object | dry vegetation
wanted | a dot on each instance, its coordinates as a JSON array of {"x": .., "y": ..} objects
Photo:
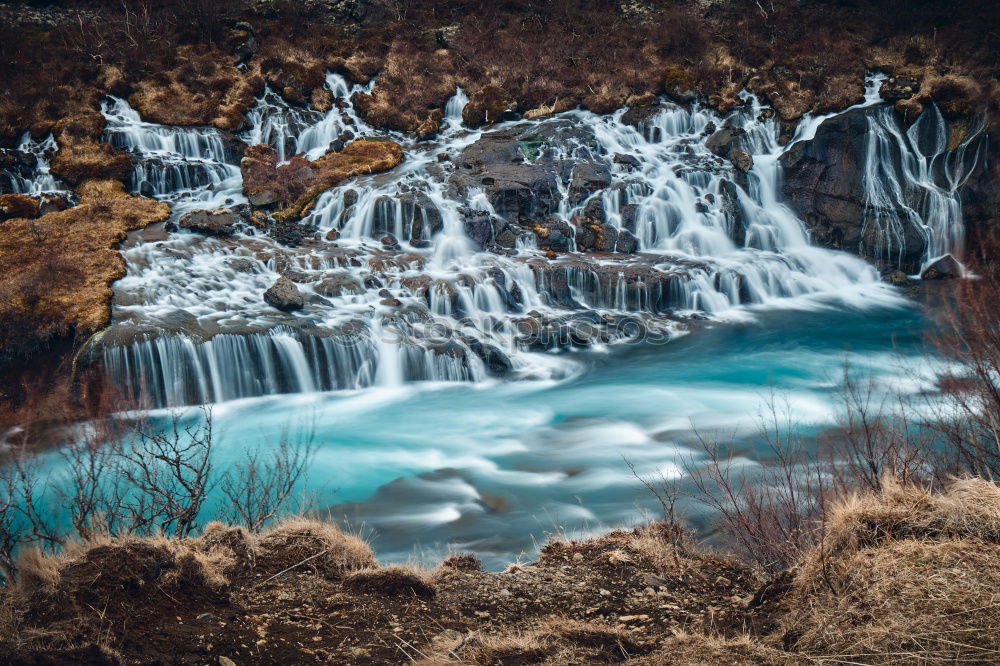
[
  {"x": 295, "y": 185},
  {"x": 56, "y": 271},
  {"x": 902, "y": 575}
]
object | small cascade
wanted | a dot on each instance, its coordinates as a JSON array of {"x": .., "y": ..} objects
[
  {"x": 912, "y": 179},
  {"x": 292, "y": 130},
  {"x": 453, "y": 110},
  {"x": 464, "y": 290},
  {"x": 33, "y": 177},
  {"x": 191, "y": 167}
]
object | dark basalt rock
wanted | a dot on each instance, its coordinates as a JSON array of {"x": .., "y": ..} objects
[
  {"x": 629, "y": 162},
  {"x": 637, "y": 115},
  {"x": 741, "y": 160},
  {"x": 284, "y": 295},
  {"x": 218, "y": 222},
  {"x": 588, "y": 177},
  {"x": 823, "y": 184},
  {"x": 725, "y": 141},
  {"x": 15, "y": 164},
  {"x": 516, "y": 170}
]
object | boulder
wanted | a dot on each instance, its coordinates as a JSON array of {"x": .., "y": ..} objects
[
  {"x": 553, "y": 234},
  {"x": 587, "y": 178},
  {"x": 629, "y": 162},
  {"x": 431, "y": 125},
  {"x": 284, "y": 295},
  {"x": 637, "y": 115},
  {"x": 945, "y": 268},
  {"x": 741, "y": 160},
  {"x": 218, "y": 222},
  {"x": 898, "y": 278},
  {"x": 723, "y": 141},
  {"x": 627, "y": 243}
]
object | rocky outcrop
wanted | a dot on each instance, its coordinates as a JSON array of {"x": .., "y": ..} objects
[
  {"x": 947, "y": 267},
  {"x": 517, "y": 189},
  {"x": 291, "y": 188},
  {"x": 823, "y": 183},
  {"x": 413, "y": 214},
  {"x": 489, "y": 105}
]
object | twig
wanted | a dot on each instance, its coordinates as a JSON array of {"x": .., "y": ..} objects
[{"x": 311, "y": 557}]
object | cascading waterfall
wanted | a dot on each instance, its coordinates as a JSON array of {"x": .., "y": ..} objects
[
  {"x": 41, "y": 181},
  {"x": 435, "y": 304},
  {"x": 190, "y": 167},
  {"x": 912, "y": 180}
]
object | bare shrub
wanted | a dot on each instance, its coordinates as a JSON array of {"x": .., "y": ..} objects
[
  {"x": 969, "y": 422},
  {"x": 258, "y": 486},
  {"x": 130, "y": 476},
  {"x": 769, "y": 510}
]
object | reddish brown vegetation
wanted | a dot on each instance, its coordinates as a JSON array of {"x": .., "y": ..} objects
[
  {"x": 18, "y": 205},
  {"x": 81, "y": 155},
  {"x": 294, "y": 186}
]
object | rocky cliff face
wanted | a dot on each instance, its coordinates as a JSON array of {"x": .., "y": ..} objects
[{"x": 872, "y": 184}]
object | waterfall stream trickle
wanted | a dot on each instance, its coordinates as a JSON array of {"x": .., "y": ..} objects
[{"x": 463, "y": 290}]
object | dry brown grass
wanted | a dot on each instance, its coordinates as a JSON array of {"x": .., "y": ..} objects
[
  {"x": 415, "y": 79},
  {"x": 903, "y": 576},
  {"x": 694, "y": 649},
  {"x": 56, "y": 271},
  {"x": 204, "y": 88},
  {"x": 551, "y": 641},
  {"x": 393, "y": 580},
  {"x": 81, "y": 154},
  {"x": 18, "y": 205},
  {"x": 294, "y": 540}
]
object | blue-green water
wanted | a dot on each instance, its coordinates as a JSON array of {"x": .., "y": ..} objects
[{"x": 493, "y": 468}]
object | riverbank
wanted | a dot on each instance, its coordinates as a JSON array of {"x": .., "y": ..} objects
[{"x": 901, "y": 574}]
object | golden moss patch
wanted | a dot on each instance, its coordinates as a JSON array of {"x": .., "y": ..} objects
[{"x": 56, "y": 271}]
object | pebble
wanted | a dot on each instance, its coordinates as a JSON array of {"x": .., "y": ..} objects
[
  {"x": 604, "y": 593},
  {"x": 226, "y": 661}
]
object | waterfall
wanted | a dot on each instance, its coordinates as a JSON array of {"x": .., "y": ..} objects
[
  {"x": 41, "y": 181},
  {"x": 448, "y": 299},
  {"x": 912, "y": 180},
  {"x": 190, "y": 167}
]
